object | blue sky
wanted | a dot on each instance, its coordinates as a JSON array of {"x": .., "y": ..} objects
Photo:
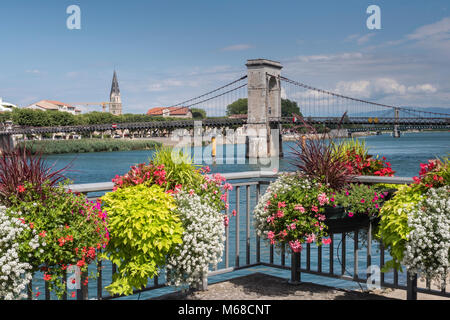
[{"x": 168, "y": 51}]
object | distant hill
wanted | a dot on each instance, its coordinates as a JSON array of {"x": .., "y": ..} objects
[{"x": 404, "y": 114}]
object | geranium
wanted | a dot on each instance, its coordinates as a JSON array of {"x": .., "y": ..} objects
[
  {"x": 290, "y": 212},
  {"x": 434, "y": 174},
  {"x": 64, "y": 222},
  {"x": 359, "y": 199}
]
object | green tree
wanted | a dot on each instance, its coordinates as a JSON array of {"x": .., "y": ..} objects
[
  {"x": 60, "y": 118},
  {"x": 237, "y": 107},
  {"x": 240, "y": 106},
  {"x": 31, "y": 117},
  {"x": 289, "y": 107},
  {"x": 198, "y": 113}
]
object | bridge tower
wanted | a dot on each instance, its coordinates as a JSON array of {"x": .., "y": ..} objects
[
  {"x": 264, "y": 104},
  {"x": 396, "y": 132}
]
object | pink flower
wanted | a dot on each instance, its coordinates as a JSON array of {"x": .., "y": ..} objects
[
  {"x": 296, "y": 246},
  {"x": 206, "y": 169},
  {"x": 191, "y": 192},
  {"x": 270, "y": 235},
  {"x": 233, "y": 213},
  {"x": 323, "y": 199},
  {"x": 362, "y": 200},
  {"x": 281, "y": 204},
  {"x": 350, "y": 214},
  {"x": 227, "y": 186},
  {"x": 223, "y": 197},
  {"x": 311, "y": 238},
  {"x": 280, "y": 214},
  {"x": 321, "y": 217},
  {"x": 226, "y": 221},
  {"x": 291, "y": 226},
  {"x": 326, "y": 241},
  {"x": 376, "y": 205},
  {"x": 314, "y": 208},
  {"x": 300, "y": 208}
]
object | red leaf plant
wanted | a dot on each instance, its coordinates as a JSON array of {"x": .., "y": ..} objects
[
  {"x": 316, "y": 157},
  {"x": 19, "y": 165}
]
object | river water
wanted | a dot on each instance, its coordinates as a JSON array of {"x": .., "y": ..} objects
[{"x": 405, "y": 155}]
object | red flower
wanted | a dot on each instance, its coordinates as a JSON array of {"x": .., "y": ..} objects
[
  {"x": 21, "y": 188},
  {"x": 47, "y": 277}
]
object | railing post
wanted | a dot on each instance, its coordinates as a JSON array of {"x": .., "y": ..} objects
[
  {"x": 83, "y": 293},
  {"x": 295, "y": 268},
  {"x": 411, "y": 286}
]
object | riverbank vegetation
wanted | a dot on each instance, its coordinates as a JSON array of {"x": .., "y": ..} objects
[
  {"x": 39, "y": 118},
  {"x": 87, "y": 145}
]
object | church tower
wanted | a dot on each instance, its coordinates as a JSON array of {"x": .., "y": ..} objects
[{"x": 115, "y": 106}]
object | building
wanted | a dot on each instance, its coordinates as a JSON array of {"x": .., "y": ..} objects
[
  {"x": 6, "y": 106},
  {"x": 115, "y": 107},
  {"x": 46, "y": 105},
  {"x": 175, "y": 112}
]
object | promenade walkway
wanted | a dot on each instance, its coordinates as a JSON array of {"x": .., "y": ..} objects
[{"x": 259, "y": 286}]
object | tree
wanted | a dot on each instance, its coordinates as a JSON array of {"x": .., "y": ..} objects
[
  {"x": 289, "y": 107},
  {"x": 237, "y": 107},
  {"x": 198, "y": 113},
  {"x": 240, "y": 106}
]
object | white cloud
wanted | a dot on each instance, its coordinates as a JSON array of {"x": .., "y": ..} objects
[
  {"x": 237, "y": 47},
  {"x": 439, "y": 30},
  {"x": 33, "y": 71},
  {"x": 381, "y": 88}
]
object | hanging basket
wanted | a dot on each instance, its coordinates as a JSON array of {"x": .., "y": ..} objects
[{"x": 338, "y": 220}]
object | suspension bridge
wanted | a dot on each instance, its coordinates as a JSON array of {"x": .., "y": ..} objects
[{"x": 264, "y": 88}]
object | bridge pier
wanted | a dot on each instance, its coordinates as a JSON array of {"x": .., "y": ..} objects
[{"x": 264, "y": 104}]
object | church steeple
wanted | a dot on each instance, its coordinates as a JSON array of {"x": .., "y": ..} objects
[
  {"x": 116, "y": 106},
  {"x": 115, "y": 85}
]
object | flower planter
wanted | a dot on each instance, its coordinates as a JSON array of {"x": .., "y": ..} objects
[{"x": 338, "y": 221}]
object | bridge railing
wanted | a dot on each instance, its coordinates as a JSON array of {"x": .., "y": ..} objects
[{"x": 244, "y": 249}]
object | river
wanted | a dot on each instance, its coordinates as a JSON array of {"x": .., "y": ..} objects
[{"x": 405, "y": 154}]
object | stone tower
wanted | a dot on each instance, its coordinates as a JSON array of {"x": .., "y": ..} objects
[
  {"x": 115, "y": 106},
  {"x": 264, "y": 105}
]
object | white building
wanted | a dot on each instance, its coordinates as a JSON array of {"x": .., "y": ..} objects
[
  {"x": 6, "y": 106},
  {"x": 46, "y": 105}
]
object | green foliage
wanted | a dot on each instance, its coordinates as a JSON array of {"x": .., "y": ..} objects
[
  {"x": 144, "y": 229},
  {"x": 359, "y": 199},
  {"x": 179, "y": 168},
  {"x": 87, "y": 145},
  {"x": 393, "y": 227},
  {"x": 240, "y": 106},
  {"x": 351, "y": 145},
  {"x": 289, "y": 107},
  {"x": 198, "y": 113},
  {"x": 65, "y": 228}
]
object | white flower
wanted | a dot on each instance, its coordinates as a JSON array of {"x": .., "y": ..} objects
[
  {"x": 428, "y": 246},
  {"x": 14, "y": 274},
  {"x": 203, "y": 240}
]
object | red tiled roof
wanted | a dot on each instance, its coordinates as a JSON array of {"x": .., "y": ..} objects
[
  {"x": 172, "y": 111},
  {"x": 58, "y": 103}
]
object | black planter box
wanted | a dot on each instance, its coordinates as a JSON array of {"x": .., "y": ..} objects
[{"x": 338, "y": 220}]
